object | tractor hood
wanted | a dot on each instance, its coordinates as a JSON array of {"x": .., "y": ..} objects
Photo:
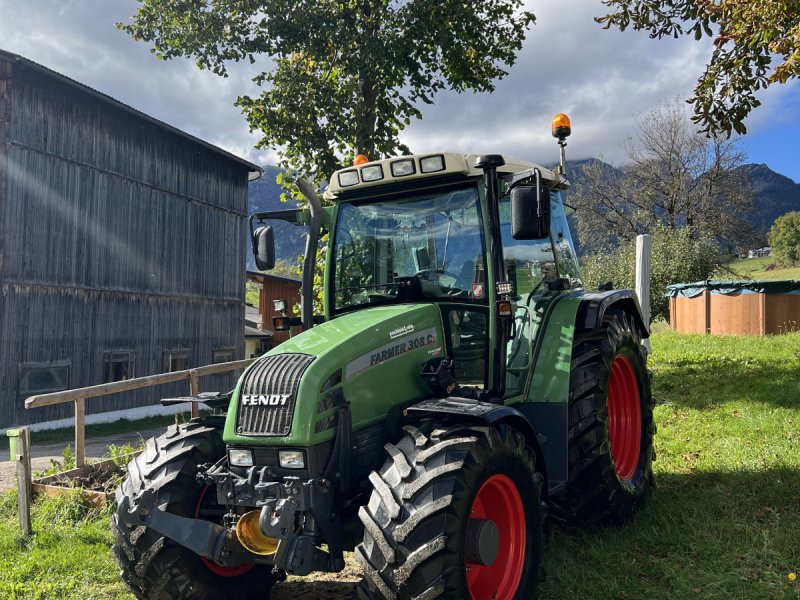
[{"x": 370, "y": 358}]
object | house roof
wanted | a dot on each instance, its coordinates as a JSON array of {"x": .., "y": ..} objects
[
  {"x": 255, "y": 170},
  {"x": 252, "y": 332},
  {"x": 260, "y": 275}
]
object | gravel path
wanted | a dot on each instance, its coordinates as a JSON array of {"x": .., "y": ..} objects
[{"x": 43, "y": 453}]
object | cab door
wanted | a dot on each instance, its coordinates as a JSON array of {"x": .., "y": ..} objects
[{"x": 530, "y": 265}]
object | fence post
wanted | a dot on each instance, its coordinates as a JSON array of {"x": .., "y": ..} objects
[
  {"x": 194, "y": 389},
  {"x": 644, "y": 245},
  {"x": 23, "y": 460},
  {"x": 80, "y": 431}
]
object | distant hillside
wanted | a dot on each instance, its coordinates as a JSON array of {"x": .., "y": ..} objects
[
  {"x": 775, "y": 194},
  {"x": 265, "y": 195}
]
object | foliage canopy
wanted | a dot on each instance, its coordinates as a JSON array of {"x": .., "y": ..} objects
[
  {"x": 747, "y": 37},
  {"x": 784, "y": 238},
  {"x": 340, "y": 77},
  {"x": 678, "y": 257}
]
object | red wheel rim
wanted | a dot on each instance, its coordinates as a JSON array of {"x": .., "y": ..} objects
[
  {"x": 499, "y": 500},
  {"x": 624, "y": 417},
  {"x": 210, "y": 564}
]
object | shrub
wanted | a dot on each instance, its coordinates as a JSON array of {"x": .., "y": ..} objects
[
  {"x": 784, "y": 238},
  {"x": 677, "y": 257}
]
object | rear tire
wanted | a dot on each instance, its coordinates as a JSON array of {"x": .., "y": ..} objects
[
  {"x": 431, "y": 487},
  {"x": 611, "y": 425},
  {"x": 152, "y": 566}
]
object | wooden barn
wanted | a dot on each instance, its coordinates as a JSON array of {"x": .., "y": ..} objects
[{"x": 121, "y": 245}]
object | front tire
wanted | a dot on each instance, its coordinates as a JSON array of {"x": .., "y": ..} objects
[
  {"x": 453, "y": 514},
  {"x": 611, "y": 425},
  {"x": 152, "y": 566}
]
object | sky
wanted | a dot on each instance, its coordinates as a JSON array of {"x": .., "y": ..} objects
[{"x": 602, "y": 79}]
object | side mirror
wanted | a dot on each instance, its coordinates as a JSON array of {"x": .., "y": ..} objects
[
  {"x": 264, "y": 248},
  {"x": 530, "y": 213}
]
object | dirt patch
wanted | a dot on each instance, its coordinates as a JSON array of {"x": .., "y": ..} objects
[{"x": 322, "y": 586}]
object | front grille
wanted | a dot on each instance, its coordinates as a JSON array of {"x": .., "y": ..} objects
[{"x": 270, "y": 390}]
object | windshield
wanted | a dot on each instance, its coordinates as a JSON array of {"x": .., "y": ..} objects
[{"x": 410, "y": 249}]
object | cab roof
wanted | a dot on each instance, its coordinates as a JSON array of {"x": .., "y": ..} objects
[{"x": 402, "y": 169}]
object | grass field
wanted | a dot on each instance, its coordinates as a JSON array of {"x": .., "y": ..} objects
[
  {"x": 722, "y": 524},
  {"x": 757, "y": 268}
]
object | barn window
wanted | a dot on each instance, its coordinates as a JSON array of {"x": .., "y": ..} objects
[
  {"x": 222, "y": 355},
  {"x": 177, "y": 360},
  {"x": 43, "y": 378},
  {"x": 118, "y": 366}
]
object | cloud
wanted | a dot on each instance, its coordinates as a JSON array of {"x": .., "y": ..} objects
[{"x": 568, "y": 64}]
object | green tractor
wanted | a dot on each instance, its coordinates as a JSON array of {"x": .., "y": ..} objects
[{"x": 462, "y": 388}]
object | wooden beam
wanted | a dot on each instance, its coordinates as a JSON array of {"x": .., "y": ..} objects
[
  {"x": 23, "y": 460},
  {"x": 80, "y": 431}
]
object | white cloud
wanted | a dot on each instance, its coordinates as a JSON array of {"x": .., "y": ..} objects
[{"x": 568, "y": 64}]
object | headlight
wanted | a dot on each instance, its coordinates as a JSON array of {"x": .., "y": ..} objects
[
  {"x": 401, "y": 168},
  {"x": 348, "y": 178},
  {"x": 291, "y": 459},
  {"x": 372, "y": 173},
  {"x": 431, "y": 164},
  {"x": 239, "y": 457}
]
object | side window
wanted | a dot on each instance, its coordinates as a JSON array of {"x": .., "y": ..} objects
[
  {"x": 222, "y": 355},
  {"x": 176, "y": 360},
  {"x": 467, "y": 331},
  {"x": 566, "y": 257},
  {"x": 118, "y": 366},
  {"x": 530, "y": 264},
  {"x": 43, "y": 378}
]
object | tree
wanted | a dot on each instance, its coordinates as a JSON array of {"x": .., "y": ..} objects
[
  {"x": 678, "y": 257},
  {"x": 675, "y": 178},
  {"x": 747, "y": 35},
  {"x": 784, "y": 239},
  {"x": 345, "y": 76}
]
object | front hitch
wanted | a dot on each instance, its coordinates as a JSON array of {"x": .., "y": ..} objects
[{"x": 209, "y": 540}]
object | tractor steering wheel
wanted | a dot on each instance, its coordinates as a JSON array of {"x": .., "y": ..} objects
[{"x": 433, "y": 275}]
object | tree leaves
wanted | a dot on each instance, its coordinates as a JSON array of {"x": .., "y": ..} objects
[
  {"x": 344, "y": 76},
  {"x": 747, "y": 35}
]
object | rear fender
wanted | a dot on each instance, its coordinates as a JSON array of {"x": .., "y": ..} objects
[{"x": 594, "y": 305}]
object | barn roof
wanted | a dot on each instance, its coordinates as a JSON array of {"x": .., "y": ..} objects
[{"x": 254, "y": 170}]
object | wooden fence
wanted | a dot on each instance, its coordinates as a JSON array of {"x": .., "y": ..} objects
[{"x": 80, "y": 395}]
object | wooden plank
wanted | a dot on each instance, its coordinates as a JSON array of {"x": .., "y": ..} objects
[
  {"x": 673, "y": 314},
  {"x": 23, "y": 460},
  {"x": 194, "y": 389},
  {"x": 80, "y": 431}
]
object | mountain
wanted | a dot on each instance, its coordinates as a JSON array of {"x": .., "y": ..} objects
[
  {"x": 265, "y": 194},
  {"x": 775, "y": 195}
]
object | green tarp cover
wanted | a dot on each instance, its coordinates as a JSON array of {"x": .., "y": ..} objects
[{"x": 692, "y": 290}]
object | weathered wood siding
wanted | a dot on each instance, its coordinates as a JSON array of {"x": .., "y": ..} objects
[
  {"x": 116, "y": 235},
  {"x": 277, "y": 288}
]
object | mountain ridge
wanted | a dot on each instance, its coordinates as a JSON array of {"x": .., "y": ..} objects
[{"x": 774, "y": 195}]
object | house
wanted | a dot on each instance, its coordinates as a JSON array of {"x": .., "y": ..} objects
[
  {"x": 257, "y": 340},
  {"x": 759, "y": 252},
  {"x": 274, "y": 287},
  {"x": 120, "y": 246}
]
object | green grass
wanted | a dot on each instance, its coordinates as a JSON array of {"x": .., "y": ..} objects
[
  {"x": 723, "y": 522},
  {"x": 69, "y": 556},
  {"x": 67, "y": 434},
  {"x": 757, "y": 268}
]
